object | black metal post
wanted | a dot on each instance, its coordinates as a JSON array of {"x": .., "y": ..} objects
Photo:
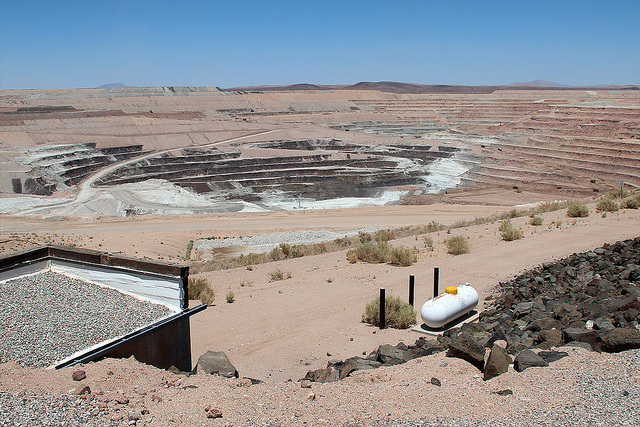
[
  {"x": 412, "y": 279},
  {"x": 436, "y": 280},
  {"x": 382, "y": 309}
]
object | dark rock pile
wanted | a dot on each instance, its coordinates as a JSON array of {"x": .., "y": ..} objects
[{"x": 591, "y": 300}]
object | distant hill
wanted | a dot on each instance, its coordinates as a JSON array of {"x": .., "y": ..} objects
[
  {"x": 540, "y": 83},
  {"x": 111, "y": 86},
  {"x": 398, "y": 87}
]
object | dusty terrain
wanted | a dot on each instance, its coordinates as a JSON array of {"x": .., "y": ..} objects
[{"x": 522, "y": 147}]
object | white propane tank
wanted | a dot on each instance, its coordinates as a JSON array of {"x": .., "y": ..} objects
[{"x": 450, "y": 305}]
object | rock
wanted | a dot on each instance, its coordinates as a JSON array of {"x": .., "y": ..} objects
[
  {"x": 466, "y": 348},
  {"x": 581, "y": 335},
  {"x": 311, "y": 396},
  {"x": 357, "y": 364},
  {"x": 79, "y": 375},
  {"x": 174, "y": 370},
  {"x": 116, "y": 417},
  {"x": 121, "y": 399},
  {"x": 505, "y": 392},
  {"x": 133, "y": 416},
  {"x": 620, "y": 340},
  {"x": 522, "y": 309},
  {"x": 528, "y": 359},
  {"x": 501, "y": 343},
  {"x": 497, "y": 363},
  {"x": 155, "y": 398},
  {"x": 82, "y": 389},
  {"x": 436, "y": 381},
  {"x": 323, "y": 375},
  {"x": 584, "y": 345},
  {"x": 216, "y": 362},
  {"x": 392, "y": 355},
  {"x": 552, "y": 356},
  {"x": 212, "y": 411},
  {"x": 551, "y": 336},
  {"x": 305, "y": 384}
]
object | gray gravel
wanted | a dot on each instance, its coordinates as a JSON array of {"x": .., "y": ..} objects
[
  {"x": 610, "y": 397},
  {"x": 48, "y": 316},
  {"x": 31, "y": 409},
  {"x": 293, "y": 238}
]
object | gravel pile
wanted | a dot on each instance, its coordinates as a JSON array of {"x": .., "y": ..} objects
[
  {"x": 32, "y": 409},
  {"x": 48, "y": 316},
  {"x": 609, "y": 398},
  {"x": 293, "y": 238}
]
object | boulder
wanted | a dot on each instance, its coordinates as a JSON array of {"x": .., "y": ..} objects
[
  {"x": 581, "y": 335},
  {"x": 620, "y": 340},
  {"x": 528, "y": 359},
  {"x": 497, "y": 363},
  {"x": 326, "y": 375},
  {"x": 466, "y": 348},
  {"x": 216, "y": 362},
  {"x": 390, "y": 355},
  {"x": 552, "y": 356},
  {"x": 357, "y": 364}
]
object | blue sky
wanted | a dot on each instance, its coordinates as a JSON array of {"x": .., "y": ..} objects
[{"x": 68, "y": 44}]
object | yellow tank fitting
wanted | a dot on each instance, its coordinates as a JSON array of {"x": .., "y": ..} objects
[{"x": 451, "y": 290}]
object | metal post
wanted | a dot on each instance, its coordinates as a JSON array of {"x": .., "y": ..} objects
[
  {"x": 436, "y": 280},
  {"x": 412, "y": 279},
  {"x": 382, "y": 309}
]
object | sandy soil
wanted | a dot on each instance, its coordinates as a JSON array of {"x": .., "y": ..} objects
[{"x": 277, "y": 331}]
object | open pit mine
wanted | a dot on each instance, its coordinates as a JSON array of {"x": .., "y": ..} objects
[{"x": 164, "y": 150}]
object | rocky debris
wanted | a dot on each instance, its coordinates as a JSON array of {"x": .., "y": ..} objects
[
  {"x": 505, "y": 392},
  {"x": 621, "y": 339},
  {"x": 82, "y": 389},
  {"x": 79, "y": 375},
  {"x": 436, "y": 381},
  {"x": 305, "y": 384},
  {"x": 497, "y": 363},
  {"x": 212, "y": 411},
  {"x": 528, "y": 359},
  {"x": 589, "y": 300},
  {"x": 216, "y": 362}
]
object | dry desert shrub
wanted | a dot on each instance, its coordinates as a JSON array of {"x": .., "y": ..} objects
[
  {"x": 398, "y": 314},
  {"x": 402, "y": 257},
  {"x": 381, "y": 252},
  {"x": 457, "y": 245},
  {"x": 631, "y": 204},
  {"x": 278, "y": 274},
  {"x": 230, "y": 297},
  {"x": 508, "y": 232},
  {"x": 577, "y": 210},
  {"x": 199, "y": 289},
  {"x": 535, "y": 220},
  {"x": 606, "y": 205}
]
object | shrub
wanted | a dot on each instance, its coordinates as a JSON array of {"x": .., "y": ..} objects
[
  {"x": 231, "y": 297},
  {"x": 402, "y": 257},
  {"x": 577, "y": 210},
  {"x": 434, "y": 226},
  {"x": 508, "y": 232},
  {"x": 428, "y": 242},
  {"x": 606, "y": 205},
  {"x": 375, "y": 253},
  {"x": 615, "y": 194},
  {"x": 457, "y": 245},
  {"x": 398, "y": 314},
  {"x": 631, "y": 204},
  {"x": 187, "y": 255},
  {"x": 199, "y": 289},
  {"x": 279, "y": 275},
  {"x": 536, "y": 220},
  {"x": 384, "y": 235}
]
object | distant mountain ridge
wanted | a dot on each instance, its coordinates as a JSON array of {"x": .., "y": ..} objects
[
  {"x": 541, "y": 83},
  {"x": 398, "y": 87},
  {"x": 111, "y": 86}
]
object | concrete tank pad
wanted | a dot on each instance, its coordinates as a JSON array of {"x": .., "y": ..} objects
[{"x": 467, "y": 318}]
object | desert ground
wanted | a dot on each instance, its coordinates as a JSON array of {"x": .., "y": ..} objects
[{"x": 505, "y": 150}]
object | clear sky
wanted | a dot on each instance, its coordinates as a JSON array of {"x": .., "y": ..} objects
[{"x": 88, "y": 43}]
